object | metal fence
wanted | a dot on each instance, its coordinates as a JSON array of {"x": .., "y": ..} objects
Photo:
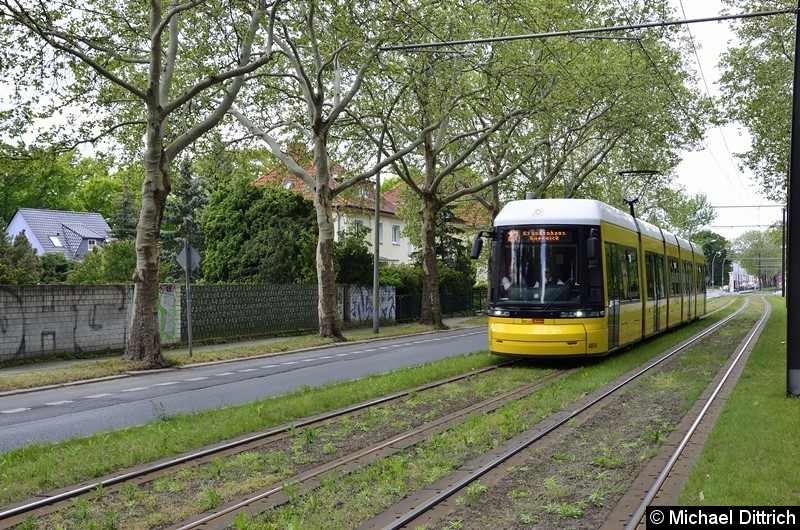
[
  {"x": 409, "y": 306},
  {"x": 225, "y": 311},
  {"x": 232, "y": 311}
]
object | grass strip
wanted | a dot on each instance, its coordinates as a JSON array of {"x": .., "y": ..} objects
[
  {"x": 350, "y": 500},
  {"x": 40, "y": 468},
  {"x": 41, "y": 375},
  {"x": 747, "y": 459}
]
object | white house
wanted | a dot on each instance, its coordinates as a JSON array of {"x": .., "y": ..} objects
[
  {"x": 393, "y": 247},
  {"x": 70, "y": 233},
  {"x": 358, "y": 208}
]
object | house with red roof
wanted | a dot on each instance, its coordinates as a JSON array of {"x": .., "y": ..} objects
[{"x": 356, "y": 207}]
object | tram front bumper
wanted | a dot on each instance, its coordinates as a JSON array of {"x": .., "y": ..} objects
[{"x": 545, "y": 339}]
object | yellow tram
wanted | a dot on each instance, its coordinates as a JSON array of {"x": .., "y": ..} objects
[{"x": 579, "y": 278}]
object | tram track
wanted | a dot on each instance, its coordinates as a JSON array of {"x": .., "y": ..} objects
[
  {"x": 434, "y": 504},
  {"x": 265, "y": 498},
  {"x": 679, "y": 454},
  {"x": 66, "y": 497}
]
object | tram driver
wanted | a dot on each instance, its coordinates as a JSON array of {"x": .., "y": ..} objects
[{"x": 549, "y": 278}]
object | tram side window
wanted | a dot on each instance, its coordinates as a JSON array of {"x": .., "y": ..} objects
[
  {"x": 674, "y": 277},
  {"x": 700, "y": 279},
  {"x": 623, "y": 274},
  {"x": 687, "y": 277},
  {"x": 613, "y": 274},
  {"x": 661, "y": 277},
  {"x": 655, "y": 276},
  {"x": 633, "y": 274}
]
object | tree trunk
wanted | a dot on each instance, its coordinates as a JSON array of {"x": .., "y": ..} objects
[
  {"x": 431, "y": 305},
  {"x": 330, "y": 325},
  {"x": 144, "y": 339}
]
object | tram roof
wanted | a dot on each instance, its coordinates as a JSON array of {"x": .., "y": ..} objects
[{"x": 579, "y": 212}]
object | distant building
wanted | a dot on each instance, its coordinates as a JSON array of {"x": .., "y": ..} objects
[
  {"x": 70, "y": 233},
  {"x": 357, "y": 208}
]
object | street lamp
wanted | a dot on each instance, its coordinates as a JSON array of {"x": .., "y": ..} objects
[
  {"x": 722, "y": 275},
  {"x": 712, "y": 266}
]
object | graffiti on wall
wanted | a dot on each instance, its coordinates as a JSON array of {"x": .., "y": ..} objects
[
  {"x": 37, "y": 321},
  {"x": 361, "y": 303},
  {"x": 169, "y": 319}
]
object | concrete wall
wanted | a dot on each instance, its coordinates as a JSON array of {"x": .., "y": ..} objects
[
  {"x": 48, "y": 320},
  {"x": 38, "y": 321},
  {"x": 360, "y": 305}
]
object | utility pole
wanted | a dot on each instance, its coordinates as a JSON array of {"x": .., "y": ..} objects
[{"x": 792, "y": 298}]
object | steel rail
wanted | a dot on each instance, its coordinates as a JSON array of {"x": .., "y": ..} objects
[
  {"x": 494, "y": 402},
  {"x": 637, "y": 516},
  {"x": 77, "y": 491},
  {"x": 424, "y": 506}
]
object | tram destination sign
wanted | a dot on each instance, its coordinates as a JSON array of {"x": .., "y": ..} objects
[{"x": 539, "y": 236}]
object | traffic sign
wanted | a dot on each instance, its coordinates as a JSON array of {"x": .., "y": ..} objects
[{"x": 194, "y": 258}]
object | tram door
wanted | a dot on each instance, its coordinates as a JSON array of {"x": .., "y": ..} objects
[
  {"x": 614, "y": 286},
  {"x": 688, "y": 282},
  {"x": 655, "y": 286}
]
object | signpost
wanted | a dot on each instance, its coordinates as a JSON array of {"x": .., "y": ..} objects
[{"x": 188, "y": 259}]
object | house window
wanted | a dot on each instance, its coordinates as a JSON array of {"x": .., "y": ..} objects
[
  {"x": 396, "y": 234},
  {"x": 56, "y": 242},
  {"x": 359, "y": 226},
  {"x": 380, "y": 232},
  {"x": 91, "y": 243}
]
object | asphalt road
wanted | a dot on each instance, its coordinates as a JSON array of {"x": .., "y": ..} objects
[{"x": 56, "y": 414}]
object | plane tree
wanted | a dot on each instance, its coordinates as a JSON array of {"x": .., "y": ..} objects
[
  {"x": 756, "y": 85},
  {"x": 153, "y": 76},
  {"x": 464, "y": 96},
  {"x": 324, "y": 51},
  {"x": 629, "y": 103},
  {"x": 526, "y": 115},
  {"x": 759, "y": 252}
]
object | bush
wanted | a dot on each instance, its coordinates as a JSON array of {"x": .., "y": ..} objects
[
  {"x": 404, "y": 278},
  {"x": 55, "y": 268},
  {"x": 454, "y": 281},
  {"x": 113, "y": 263},
  {"x": 352, "y": 259}
]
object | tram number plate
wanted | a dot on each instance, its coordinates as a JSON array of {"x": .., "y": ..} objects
[{"x": 533, "y": 321}]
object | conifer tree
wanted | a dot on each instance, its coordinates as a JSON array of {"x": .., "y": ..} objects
[{"x": 182, "y": 220}]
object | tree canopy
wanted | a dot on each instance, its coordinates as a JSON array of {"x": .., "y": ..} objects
[
  {"x": 556, "y": 116},
  {"x": 756, "y": 86},
  {"x": 258, "y": 234}
]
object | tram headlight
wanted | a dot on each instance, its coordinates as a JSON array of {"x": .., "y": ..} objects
[
  {"x": 582, "y": 313},
  {"x": 500, "y": 313}
]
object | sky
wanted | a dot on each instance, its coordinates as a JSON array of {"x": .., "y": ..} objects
[{"x": 714, "y": 170}]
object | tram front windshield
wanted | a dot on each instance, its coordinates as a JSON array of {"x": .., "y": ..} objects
[{"x": 538, "y": 266}]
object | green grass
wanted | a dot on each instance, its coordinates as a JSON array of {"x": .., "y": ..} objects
[
  {"x": 40, "y": 374},
  {"x": 750, "y": 455},
  {"x": 38, "y": 468}
]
